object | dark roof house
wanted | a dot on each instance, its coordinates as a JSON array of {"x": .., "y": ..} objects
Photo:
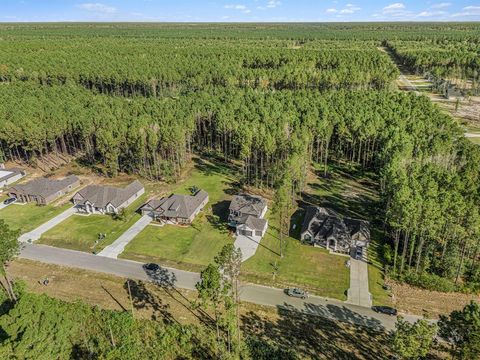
[
  {"x": 43, "y": 190},
  {"x": 107, "y": 199},
  {"x": 176, "y": 208},
  {"x": 326, "y": 228},
  {"x": 246, "y": 215}
]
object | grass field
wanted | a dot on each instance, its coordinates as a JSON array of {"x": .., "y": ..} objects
[
  {"x": 29, "y": 216},
  {"x": 81, "y": 232},
  {"x": 352, "y": 193},
  {"x": 311, "y": 268},
  {"x": 193, "y": 247}
]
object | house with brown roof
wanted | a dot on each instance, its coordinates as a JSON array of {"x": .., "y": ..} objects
[
  {"x": 97, "y": 199},
  {"x": 176, "y": 209},
  {"x": 43, "y": 191},
  {"x": 246, "y": 215},
  {"x": 326, "y": 228}
]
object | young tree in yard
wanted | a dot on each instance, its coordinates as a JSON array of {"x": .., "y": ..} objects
[
  {"x": 462, "y": 329},
  {"x": 413, "y": 341},
  {"x": 9, "y": 248},
  {"x": 282, "y": 207}
]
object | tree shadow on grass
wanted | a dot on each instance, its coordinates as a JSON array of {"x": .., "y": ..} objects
[
  {"x": 313, "y": 335},
  {"x": 142, "y": 298}
]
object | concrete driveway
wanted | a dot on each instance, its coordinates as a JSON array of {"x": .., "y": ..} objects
[
  {"x": 3, "y": 206},
  {"x": 37, "y": 233},
  {"x": 115, "y": 249},
  {"x": 358, "y": 294},
  {"x": 248, "y": 245}
]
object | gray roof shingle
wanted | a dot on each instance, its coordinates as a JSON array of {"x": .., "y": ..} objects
[
  {"x": 100, "y": 196},
  {"x": 44, "y": 187},
  {"x": 178, "y": 206}
]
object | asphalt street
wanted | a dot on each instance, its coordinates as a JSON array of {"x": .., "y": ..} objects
[{"x": 262, "y": 295}]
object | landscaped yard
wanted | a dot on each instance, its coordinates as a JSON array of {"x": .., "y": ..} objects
[
  {"x": 80, "y": 232},
  {"x": 311, "y": 268},
  {"x": 193, "y": 247},
  {"x": 352, "y": 193},
  {"x": 29, "y": 216}
]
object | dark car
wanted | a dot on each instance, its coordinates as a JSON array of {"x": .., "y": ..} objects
[
  {"x": 9, "y": 201},
  {"x": 385, "y": 310},
  {"x": 298, "y": 293},
  {"x": 151, "y": 267},
  {"x": 359, "y": 253}
]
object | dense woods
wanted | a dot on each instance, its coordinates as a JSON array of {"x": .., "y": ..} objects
[
  {"x": 446, "y": 58},
  {"x": 142, "y": 99}
]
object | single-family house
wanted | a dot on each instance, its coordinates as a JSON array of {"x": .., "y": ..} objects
[
  {"x": 98, "y": 199},
  {"x": 326, "y": 228},
  {"x": 246, "y": 215},
  {"x": 43, "y": 191},
  {"x": 176, "y": 209},
  {"x": 9, "y": 176}
]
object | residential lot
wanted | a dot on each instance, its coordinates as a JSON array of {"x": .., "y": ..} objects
[
  {"x": 81, "y": 232},
  {"x": 190, "y": 247},
  {"x": 29, "y": 216}
]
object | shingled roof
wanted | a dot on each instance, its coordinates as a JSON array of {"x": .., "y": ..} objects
[
  {"x": 248, "y": 204},
  {"x": 6, "y": 174},
  {"x": 177, "y": 206},
  {"x": 100, "y": 196},
  {"x": 44, "y": 187}
]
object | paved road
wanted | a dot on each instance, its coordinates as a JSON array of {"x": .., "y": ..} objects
[
  {"x": 358, "y": 293},
  {"x": 472, "y": 135},
  {"x": 37, "y": 233},
  {"x": 332, "y": 309},
  {"x": 118, "y": 246},
  {"x": 248, "y": 245}
]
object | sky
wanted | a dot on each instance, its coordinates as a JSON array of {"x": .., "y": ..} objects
[{"x": 238, "y": 11}]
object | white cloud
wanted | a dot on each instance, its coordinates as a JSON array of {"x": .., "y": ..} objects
[
  {"x": 98, "y": 8},
  {"x": 273, "y": 4},
  {"x": 331, "y": 11},
  {"x": 394, "y": 7},
  {"x": 442, "y": 5},
  {"x": 468, "y": 11},
  {"x": 431, "y": 13},
  {"x": 349, "y": 9},
  {"x": 243, "y": 8}
]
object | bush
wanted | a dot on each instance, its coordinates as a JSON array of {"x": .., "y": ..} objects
[{"x": 430, "y": 282}]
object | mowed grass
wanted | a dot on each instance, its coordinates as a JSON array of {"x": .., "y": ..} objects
[
  {"x": 311, "y": 268},
  {"x": 29, "y": 216},
  {"x": 81, "y": 232},
  {"x": 353, "y": 193},
  {"x": 190, "y": 247}
]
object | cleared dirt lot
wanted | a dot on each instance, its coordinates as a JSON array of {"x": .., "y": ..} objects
[{"x": 407, "y": 298}]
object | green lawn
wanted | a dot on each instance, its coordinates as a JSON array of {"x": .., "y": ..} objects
[
  {"x": 193, "y": 247},
  {"x": 190, "y": 248},
  {"x": 29, "y": 216},
  {"x": 81, "y": 232},
  {"x": 302, "y": 265},
  {"x": 353, "y": 193}
]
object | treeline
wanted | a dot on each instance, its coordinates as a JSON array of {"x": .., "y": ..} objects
[
  {"x": 447, "y": 58},
  {"x": 155, "y": 68},
  {"x": 40, "y": 327},
  {"x": 288, "y": 31},
  {"x": 429, "y": 173}
]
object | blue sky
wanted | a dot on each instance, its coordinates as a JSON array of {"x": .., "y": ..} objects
[{"x": 247, "y": 10}]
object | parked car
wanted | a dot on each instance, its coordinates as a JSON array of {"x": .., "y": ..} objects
[
  {"x": 385, "y": 310},
  {"x": 151, "y": 267},
  {"x": 359, "y": 253},
  {"x": 10, "y": 200},
  {"x": 298, "y": 293}
]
